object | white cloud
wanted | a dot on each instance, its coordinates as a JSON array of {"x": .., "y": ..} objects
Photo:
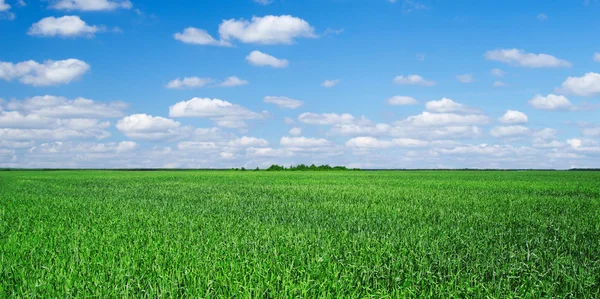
[
  {"x": 289, "y": 121},
  {"x": 413, "y": 80},
  {"x": 295, "y": 131},
  {"x": 44, "y": 74},
  {"x": 16, "y": 144},
  {"x": 4, "y": 6},
  {"x": 54, "y": 106},
  {"x": 432, "y": 132},
  {"x": 224, "y": 113},
  {"x": 410, "y": 143},
  {"x": 444, "y": 119},
  {"x": 446, "y": 105},
  {"x": 283, "y": 102},
  {"x": 551, "y": 102},
  {"x": 360, "y": 129},
  {"x": 591, "y": 132},
  {"x": 4, "y": 11},
  {"x": 67, "y": 26},
  {"x": 369, "y": 143},
  {"x": 196, "y": 146},
  {"x": 465, "y": 78},
  {"x": 521, "y": 58},
  {"x": 147, "y": 127},
  {"x": 596, "y": 57},
  {"x": 330, "y": 83},
  {"x": 61, "y": 133},
  {"x": 327, "y": 118},
  {"x": 514, "y": 117},
  {"x": 197, "y": 36},
  {"x": 189, "y": 82},
  {"x": 499, "y": 84},
  {"x": 498, "y": 72},
  {"x": 263, "y": 2},
  {"x": 84, "y": 147},
  {"x": 258, "y": 58},
  {"x": 91, "y": 5},
  {"x": 402, "y": 100},
  {"x": 248, "y": 142},
  {"x": 302, "y": 142},
  {"x": 509, "y": 131},
  {"x": 542, "y": 17},
  {"x": 266, "y": 30},
  {"x": 330, "y": 31},
  {"x": 233, "y": 81},
  {"x": 587, "y": 85}
]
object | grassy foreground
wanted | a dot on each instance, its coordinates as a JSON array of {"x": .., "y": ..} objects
[{"x": 299, "y": 234}]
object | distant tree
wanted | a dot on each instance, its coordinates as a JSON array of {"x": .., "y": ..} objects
[
  {"x": 257, "y": 169},
  {"x": 243, "y": 169}
]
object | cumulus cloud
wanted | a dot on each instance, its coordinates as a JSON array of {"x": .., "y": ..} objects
[
  {"x": 48, "y": 73},
  {"x": 295, "y": 131},
  {"x": 402, "y": 100},
  {"x": 248, "y": 142},
  {"x": 446, "y": 105},
  {"x": 521, "y": 58},
  {"x": 61, "y": 107},
  {"x": 303, "y": 142},
  {"x": 83, "y": 147},
  {"x": 60, "y": 133},
  {"x": 330, "y": 83},
  {"x": 498, "y": 72},
  {"x": 514, "y": 117},
  {"x": 233, "y": 81},
  {"x": 360, "y": 129},
  {"x": 499, "y": 84},
  {"x": 224, "y": 113},
  {"x": 91, "y": 5},
  {"x": 189, "y": 82},
  {"x": 587, "y": 85},
  {"x": 67, "y": 26},
  {"x": 509, "y": 131},
  {"x": 283, "y": 102},
  {"x": 197, "y": 36},
  {"x": 328, "y": 118},
  {"x": 368, "y": 143},
  {"x": 413, "y": 80},
  {"x": 465, "y": 78},
  {"x": 266, "y": 30},
  {"x": 444, "y": 119},
  {"x": 258, "y": 58},
  {"x": 148, "y": 127},
  {"x": 551, "y": 102}
]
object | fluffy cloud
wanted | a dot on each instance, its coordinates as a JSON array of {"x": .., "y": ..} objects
[
  {"x": 368, "y": 143},
  {"x": 498, "y": 72},
  {"x": 197, "y": 36},
  {"x": 44, "y": 74},
  {"x": 4, "y": 6},
  {"x": 91, "y": 5},
  {"x": 258, "y": 58},
  {"x": 522, "y": 58},
  {"x": 328, "y": 118},
  {"x": 84, "y": 147},
  {"x": 402, "y": 100},
  {"x": 248, "y": 142},
  {"x": 295, "y": 131},
  {"x": 360, "y": 129},
  {"x": 330, "y": 83},
  {"x": 444, "y": 119},
  {"x": 303, "y": 142},
  {"x": 67, "y": 26},
  {"x": 410, "y": 143},
  {"x": 446, "y": 105},
  {"x": 266, "y": 30},
  {"x": 61, "y": 133},
  {"x": 509, "y": 131},
  {"x": 189, "y": 82},
  {"x": 233, "y": 81},
  {"x": 514, "y": 117},
  {"x": 263, "y": 2},
  {"x": 551, "y": 102},
  {"x": 432, "y": 133},
  {"x": 61, "y": 107},
  {"x": 224, "y": 113},
  {"x": 587, "y": 85},
  {"x": 283, "y": 102},
  {"x": 413, "y": 80},
  {"x": 147, "y": 127},
  {"x": 466, "y": 78}
]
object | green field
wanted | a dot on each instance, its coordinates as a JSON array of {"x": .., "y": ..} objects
[{"x": 475, "y": 234}]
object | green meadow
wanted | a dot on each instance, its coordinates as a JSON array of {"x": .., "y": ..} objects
[{"x": 259, "y": 234}]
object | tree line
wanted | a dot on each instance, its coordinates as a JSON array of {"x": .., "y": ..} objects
[{"x": 302, "y": 167}]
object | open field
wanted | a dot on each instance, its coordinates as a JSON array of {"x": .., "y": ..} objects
[{"x": 299, "y": 234}]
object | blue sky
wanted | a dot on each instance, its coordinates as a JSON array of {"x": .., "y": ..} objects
[{"x": 370, "y": 84}]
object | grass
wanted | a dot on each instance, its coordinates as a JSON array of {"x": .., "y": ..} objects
[{"x": 205, "y": 234}]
